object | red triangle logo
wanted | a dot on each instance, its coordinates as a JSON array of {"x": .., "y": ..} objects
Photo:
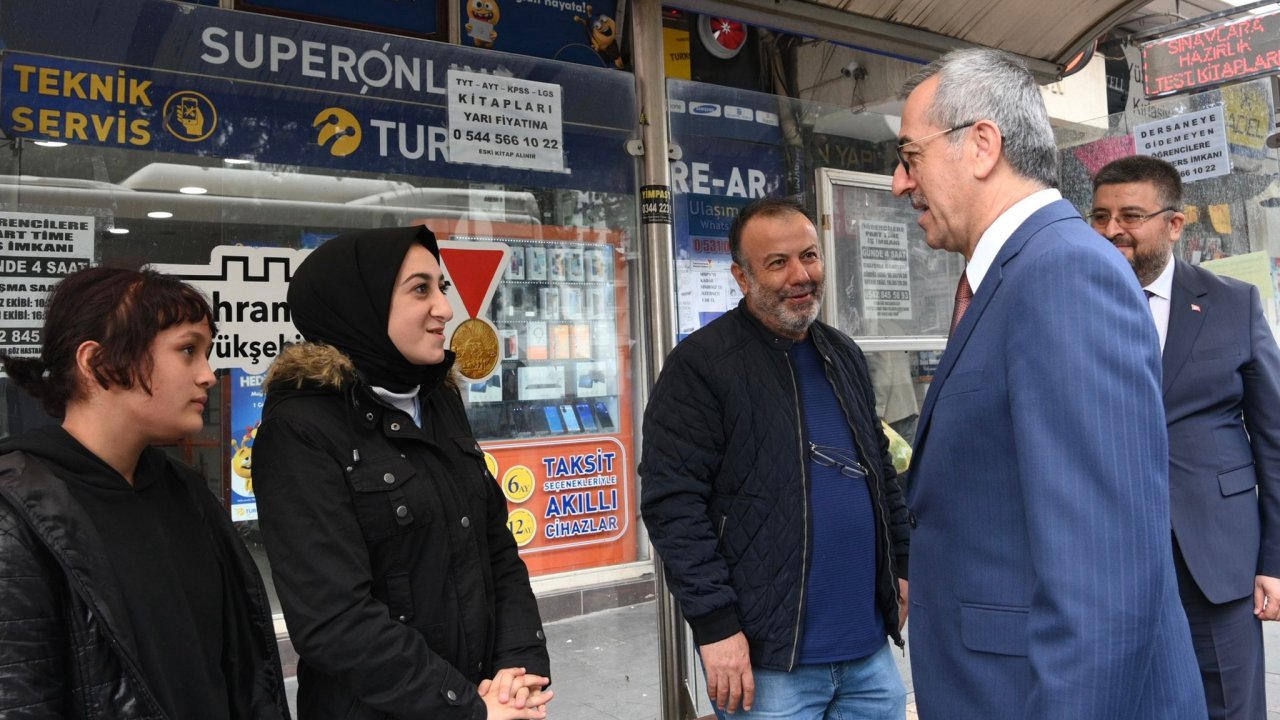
[{"x": 472, "y": 272}]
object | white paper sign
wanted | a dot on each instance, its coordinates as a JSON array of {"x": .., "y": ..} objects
[
  {"x": 886, "y": 274},
  {"x": 1195, "y": 143},
  {"x": 36, "y": 251},
  {"x": 505, "y": 122},
  {"x": 247, "y": 287}
]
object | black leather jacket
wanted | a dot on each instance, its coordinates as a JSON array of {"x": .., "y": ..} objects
[
  {"x": 62, "y": 651},
  {"x": 399, "y": 579},
  {"x": 724, "y": 492}
]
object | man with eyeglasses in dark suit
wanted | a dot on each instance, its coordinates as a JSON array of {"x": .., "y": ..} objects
[
  {"x": 1222, "y": 407},
  {"x": 770, "y": 495}
]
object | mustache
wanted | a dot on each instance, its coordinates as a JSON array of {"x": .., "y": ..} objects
[{"x": 809, "y": 288}]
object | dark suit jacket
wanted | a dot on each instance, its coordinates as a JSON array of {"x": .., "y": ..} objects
[
  {"x": 1042, "y": 582},
  {"x": 1222, "y": 403}
]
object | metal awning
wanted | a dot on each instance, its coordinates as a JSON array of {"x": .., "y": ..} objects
[{"x": 1048, "y": 34}]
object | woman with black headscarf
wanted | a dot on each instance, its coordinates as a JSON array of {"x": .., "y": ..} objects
[{"x": 400, "y": 582}]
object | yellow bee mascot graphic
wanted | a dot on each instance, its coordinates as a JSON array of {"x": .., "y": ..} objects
[
  {"x": 242, "y": 460},
  {"x": 482, "y": 15},
  {"x": 602, "y": 33}
]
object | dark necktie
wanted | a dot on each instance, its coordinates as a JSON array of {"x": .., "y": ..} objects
[
  {"x": 963, "y": 295},
  {"x": 1149, "y": 294}
]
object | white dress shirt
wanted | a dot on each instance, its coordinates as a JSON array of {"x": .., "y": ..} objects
[
  {"x": 1001, "y": 230},
  {"x": 1161, "y": 300}
]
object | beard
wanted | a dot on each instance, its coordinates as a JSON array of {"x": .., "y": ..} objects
[
  {"x": 771, "y": 306},
  {"x": 1148, "y": 265}
]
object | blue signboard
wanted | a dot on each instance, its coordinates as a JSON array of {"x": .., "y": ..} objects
[
  {"x": 117, "y": 106},
  {"x": 569, "y": 30},
  {"x": 181, "y": 78}
]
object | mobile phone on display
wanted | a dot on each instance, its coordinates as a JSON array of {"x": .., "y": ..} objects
[
  {"x": 602, "y": 412},
  {"x": 588, "y": 420},
  {"x": 570, "y": 420},
  {"x": 553, "y": 419},
  {"x": 519, "y": 423}
]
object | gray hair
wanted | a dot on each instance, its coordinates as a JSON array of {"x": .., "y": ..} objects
[{"x": 986, "y": 84}]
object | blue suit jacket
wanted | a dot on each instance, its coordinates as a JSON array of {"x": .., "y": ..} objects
[
  {"x": 1221, "y": 379},
  {"x": 1042, "y": 581}
]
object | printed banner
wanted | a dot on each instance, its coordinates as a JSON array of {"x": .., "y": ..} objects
[
  {"x": 566, "y": 30},
  {"x": 36, "y": 251},
  {"x": 247, "y": 398}
]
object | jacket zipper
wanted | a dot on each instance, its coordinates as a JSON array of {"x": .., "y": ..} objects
[
  {"x": 804, "y": 494},
  {"x": 873, "y": 485}
]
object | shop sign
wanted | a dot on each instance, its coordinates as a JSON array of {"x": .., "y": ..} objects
[
  {"x": 1195, "y": 143},
  {"x": 36, "y": 251},
  {"x": 288, "y": 55},
  {"x": 886, "y": 273},
  {"x": 563, "y": 494},
  {"x": 1230, "y": 52},
  {"x": 118, "y": 106},
  {"x": 505, "y": 122}
]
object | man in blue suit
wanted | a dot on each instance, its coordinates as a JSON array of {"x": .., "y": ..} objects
[
  {"x": 1222, "y": 407},
  {"x": 1042, "y": 579}
]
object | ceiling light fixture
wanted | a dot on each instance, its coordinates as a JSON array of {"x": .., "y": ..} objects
[
  {"x": 193, "y": 190},
  {"x": 50, "y": 143},
  {"x": 118, "y": 230},
  {"x": 160, "y": 214},
  {"x": 236, "y": 161}
]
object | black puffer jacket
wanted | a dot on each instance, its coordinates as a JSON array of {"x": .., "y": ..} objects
[
  {"x": 63, "y": 652},
  {"x": 399, "y": 579},
  {"x": 724, "y": 492}
]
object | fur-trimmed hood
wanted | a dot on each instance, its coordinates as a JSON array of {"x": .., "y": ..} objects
[
  {"x": 311, "y": 363},
  {"x": 324, "y": 366}
]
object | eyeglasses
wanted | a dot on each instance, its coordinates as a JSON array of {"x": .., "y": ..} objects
[
  {"x": 842, "y": 460},
  {"x": 1127, "y": 220},
  {"x": 903, "y": 158}
]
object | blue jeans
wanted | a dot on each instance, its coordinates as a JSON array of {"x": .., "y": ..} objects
[{"x": 866, "y": 689}]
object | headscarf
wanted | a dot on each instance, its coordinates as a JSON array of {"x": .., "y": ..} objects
[{"x": 341, "y": 295}]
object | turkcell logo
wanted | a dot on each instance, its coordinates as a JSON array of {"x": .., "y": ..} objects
[
  {"x": 675, "y": 106},
  {"x": 705, "y": 109},
  {"x": 736, "y": 112}
]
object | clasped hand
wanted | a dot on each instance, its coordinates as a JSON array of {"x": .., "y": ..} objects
[{"x": 514, "y": 694}]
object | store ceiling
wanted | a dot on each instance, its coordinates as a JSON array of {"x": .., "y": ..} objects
[{"x": 1047, "y": 34}]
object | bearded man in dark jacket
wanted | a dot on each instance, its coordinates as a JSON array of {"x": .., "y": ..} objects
[{"x": 770, "y": 495}]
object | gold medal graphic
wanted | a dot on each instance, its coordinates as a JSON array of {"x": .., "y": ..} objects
[
  {"x": 476, "y": 344},
  {"x": 474, "y": 268}
]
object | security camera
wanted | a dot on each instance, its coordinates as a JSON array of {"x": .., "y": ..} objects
[{"x": 851, "y": 69}]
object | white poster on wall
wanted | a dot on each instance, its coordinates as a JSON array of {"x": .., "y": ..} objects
[
  {"x": 886, "y": 272},
  {"x": 1195, "y": 143},
  {"x": 36, "y": 251},
  {"x": 505, "y": 122}
]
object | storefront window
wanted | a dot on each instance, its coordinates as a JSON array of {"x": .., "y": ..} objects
[
  {"x": 222, "y": 146},
  {"x": 1217, "y": 140}
]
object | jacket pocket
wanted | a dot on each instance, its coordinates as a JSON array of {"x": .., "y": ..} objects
[
  {"x": 381, "y": 491},
  {"x": 964, "y": 382},
  {"x": 1240, "y": 480},
  {"x": 997, "y": 629},
  {"x": 400, "y": 597},
  {"x": 1215, "y": 353}
]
